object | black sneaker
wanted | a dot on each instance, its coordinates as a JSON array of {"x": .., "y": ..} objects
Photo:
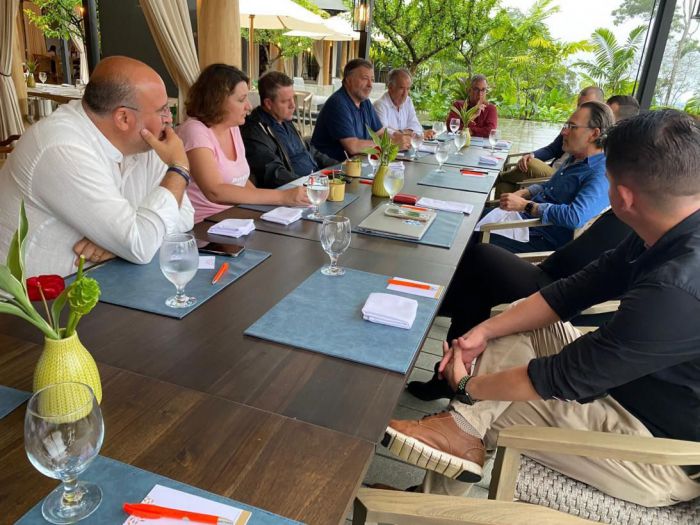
[{"x": 430, "y": 390}]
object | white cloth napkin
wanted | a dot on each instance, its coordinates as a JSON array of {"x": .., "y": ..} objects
[
  {"x": 398, "y": 165},
  {"x": 502, "y": 144},
  {"x": 283, "y": 215},
  {"x": 499, "y": 215},
  {"x": 488, "y": 160},
  {"x": 428, "y": 148},
  {"x": 390, "y": 310},
  {"x": 437, "y": 204},
  {"x": 233, "y": 227}
]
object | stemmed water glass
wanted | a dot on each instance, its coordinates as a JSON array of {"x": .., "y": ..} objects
[
  {"x": 63, "y": 433},
  {"x": 441, "y": 155},
  {"x": 317, "y": 190},
  {"x": 439, "y": 128},
  {"x": 373, "y": 159},
  {"x": 494, "y": 137},
  {"x": 335, "y": 239},
  {"x": 179, "y": 260},
  {"x": 393, "y": 182},
  {"x": 416, "y": 141},
  {"x": 460, "y": 140},
  {"x": 42, "y": 77},
  {"x": 454, "y": 125}
]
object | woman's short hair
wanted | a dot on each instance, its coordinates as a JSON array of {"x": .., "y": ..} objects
[{"x": 205, "y": 100}]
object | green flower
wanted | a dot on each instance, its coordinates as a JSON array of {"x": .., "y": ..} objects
[{"x": 83, "y": 295}]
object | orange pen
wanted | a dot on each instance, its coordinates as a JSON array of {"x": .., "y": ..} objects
[
  {"x": 147, "y": 511},
  {"x": 399, "y": 282},
  {"x": 220, "y": 273},
  {"x": 411, "y": 207}
]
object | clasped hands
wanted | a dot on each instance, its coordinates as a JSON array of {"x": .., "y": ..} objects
[
  {"x": 515, "y": 201},
  {"x": 457, "y": 359}
]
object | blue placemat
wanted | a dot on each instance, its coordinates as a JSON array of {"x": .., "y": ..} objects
[
  {"x": 144, "y": 287},
  {"x": 469, "y": 158},
  {"x": 408, "y": 155},
  {"x": 453, "y": 180},
  {"x": 121, "y": 483},
  {"x": 324, "y": 314},
  {"x": 327, "y": 208},
  {"x": 442, "y": 231},
  {"x": 10, "y": 399}
]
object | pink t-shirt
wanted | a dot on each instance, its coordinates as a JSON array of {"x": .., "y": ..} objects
[{"x": 195, "y": 134}]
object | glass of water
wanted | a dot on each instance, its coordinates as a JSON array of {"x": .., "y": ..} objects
[
  {"x": 335, "y": 239},
  {"x": 179, "y": 260},
  {"x": 439, "y": 128},
  {"x": 494, "y": 137},
  {"x": 373, "y": 159},
  {"x": 461, "y": 140},
  {"x": 393, "y": 182},
  {"x": 317, "y": 190},
  {"x": 454, "y": 125},
  {"x": 416, "y": 141},
  {"x": 42, "y": 77},
  {"x": 441, "y": 155},
  {"x": 63, "y": 433}
]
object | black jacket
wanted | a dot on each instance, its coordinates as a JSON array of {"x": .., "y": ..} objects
[{"x": 268, "y": 159}]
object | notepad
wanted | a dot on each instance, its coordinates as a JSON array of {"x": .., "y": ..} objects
[{"x": 407, "y": 228}]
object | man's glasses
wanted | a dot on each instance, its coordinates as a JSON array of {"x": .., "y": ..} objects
[
  {"x": 569, "y": 126},
  {"x": 163, "y": 112},
  {"x": 480, "y": 90}
]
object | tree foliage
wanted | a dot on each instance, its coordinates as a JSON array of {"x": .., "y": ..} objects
[{"x": 58, "y": 18}]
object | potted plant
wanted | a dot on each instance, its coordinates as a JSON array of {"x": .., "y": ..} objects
[
  {"x": 466, "y": 115},
  {"x": 387, "y": 151},
  {"x": 64, "y": 357}
]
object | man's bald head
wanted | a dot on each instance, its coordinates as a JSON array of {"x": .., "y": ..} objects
[{"x": 119, "y": 81}]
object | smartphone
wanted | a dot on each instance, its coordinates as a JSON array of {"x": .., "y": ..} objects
[{"x": 218, "y": 248}]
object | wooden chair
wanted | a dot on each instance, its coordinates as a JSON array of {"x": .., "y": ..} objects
[
  {"x": 7, "y": 145},
  {"x": 528, "y": 482},
  {"x": 302, "y": 113}
]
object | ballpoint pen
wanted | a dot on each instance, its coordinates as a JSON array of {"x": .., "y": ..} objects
[
  {"x": 220, "y": 273},
  {"x": 147, "y": 511},
  {"x": 399, "y": 282}
]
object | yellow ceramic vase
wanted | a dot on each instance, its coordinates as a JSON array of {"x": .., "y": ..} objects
[
  {"x": 378, "y": 189},
  {"x": 67, "y": 360}
]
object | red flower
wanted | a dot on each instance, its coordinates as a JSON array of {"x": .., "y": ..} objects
[{"x": 51, "y": 286}]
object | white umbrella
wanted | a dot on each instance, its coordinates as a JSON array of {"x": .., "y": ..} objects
[{"x": 338, "y": 28}]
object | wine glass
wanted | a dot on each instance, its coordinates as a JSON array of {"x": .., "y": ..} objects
[
  {"x": 393, "y": 182},
  {"x": 179, "y": 259},
  {"x": 335, "y": 239},
  {"x": 416, "y": 141},
  {"x": 460, "y": 141},
  {"x": 63, "y": 433},
  {"x": 317, "y": 190},
  {"x": 454, "y": 125},
  {"x": 439, "y": 128},
  {"x": 494, "y": 137},
  {"x": 441, "y": 155},
  {"x": 373, "y": 159},
  {"x": 42, "y": 77}
]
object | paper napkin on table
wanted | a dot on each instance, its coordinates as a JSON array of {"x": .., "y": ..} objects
[
  {"x": 390, "y": 310},
  {"x": 437, "y": 204},
  {"x": 488, "y": 160},
  {"x": 428, "y": 148},
  {"x": 176, "y": 499},
  {"x": 396, "y": 166},
  {"x": 499, "y": 215},
  {"x": 233, "y": 227},
  {"x": 502, "y": 144},
  {"x": 283, "y": 215}
]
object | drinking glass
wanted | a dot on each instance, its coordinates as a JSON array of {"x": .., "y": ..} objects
[
  {"x": 494, "y": 137},
  {"x": 179, "y": 259},
  {"x": 393, "y": 182},
  {"x": 63, "y": 433},
  {"x": 460, "y": 141},
  {"x": 335, "y": 239},
  {"x": 317, "y": 190},
  {"x": 416, "y": 141},
  {"x": 441, "y": 155},
  {"x": 42, "y": 77},
  {"x": 454, "y": 125},
  {"x": 439, "y": 128},
  {"x": 373, "y": 160}
]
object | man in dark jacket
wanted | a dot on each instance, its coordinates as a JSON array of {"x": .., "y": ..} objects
[{"x": 276, "y": 152}]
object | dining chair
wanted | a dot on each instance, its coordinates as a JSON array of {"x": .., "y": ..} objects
[{"x": 302, "y": 113}]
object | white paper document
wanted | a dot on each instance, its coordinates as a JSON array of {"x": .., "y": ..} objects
[
  {"x": 437, "y": 204},
  {"x": 422, "y": 289},
  {"x": 207, "y": 262},
  {"x": 498, "y": 215},
  {"x": 233, "y": 227},
  {"x": 176, "y": 499}
]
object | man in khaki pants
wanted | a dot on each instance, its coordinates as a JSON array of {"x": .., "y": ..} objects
[{"x": 638, "y": 374}]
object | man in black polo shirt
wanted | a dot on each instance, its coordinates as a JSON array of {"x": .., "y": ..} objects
[{"x": 638, "y": 374}]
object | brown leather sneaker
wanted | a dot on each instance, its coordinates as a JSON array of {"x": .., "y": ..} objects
[{"x": 437, "y": 443}]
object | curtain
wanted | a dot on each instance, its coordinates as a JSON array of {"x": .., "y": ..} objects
[
  {"x": 36, "y": 41},
  {"x": 10, "y": 115},
  {"x": 171, "y": 28},
  {"x": 80, "y": 46},
  {"x": 318, "y": 55}
]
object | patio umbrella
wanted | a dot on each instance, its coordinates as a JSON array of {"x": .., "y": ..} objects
[
  {"x": 277, "y": 14},
  {"x": 338, "y": 29}
]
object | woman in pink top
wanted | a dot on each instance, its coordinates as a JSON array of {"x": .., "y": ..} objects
[{"x": 217, "y": 105}]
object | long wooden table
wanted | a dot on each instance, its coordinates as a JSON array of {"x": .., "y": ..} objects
[{"x": 281, "y": 428}]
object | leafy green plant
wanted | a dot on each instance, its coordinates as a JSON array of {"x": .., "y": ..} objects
[
  {"x": 58, "y": 18},
  {"x": 383, "y": 148}
]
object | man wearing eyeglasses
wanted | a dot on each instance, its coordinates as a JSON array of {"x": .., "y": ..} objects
[
  {"x": 99, "y": 177},
  {"x": 487, "y": 116}
]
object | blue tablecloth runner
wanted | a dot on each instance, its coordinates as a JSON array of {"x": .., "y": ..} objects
[
  {"x": 327, "y": 208},
  {"x": 453, "y": 180},
  {"x": 10, "y": 399},
  {"x": 366, "y": 173},
  {"x": 324, "y": 314},
  {"x": 469, "y": 158},
  {"x": 442, "y": 231},
  {"x": 122, "y": 483},
  {"x": 144, "y": 287}
]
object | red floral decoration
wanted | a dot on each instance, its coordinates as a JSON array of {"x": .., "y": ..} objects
[{"x": 51, "y": 286}]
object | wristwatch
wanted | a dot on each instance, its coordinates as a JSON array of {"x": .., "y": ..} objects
[
  {"x": 462, "y": 395},
  {"x": 528, "y": 207}
]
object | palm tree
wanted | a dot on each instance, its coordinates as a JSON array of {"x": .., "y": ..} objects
[{"x": 612, "y": 64}]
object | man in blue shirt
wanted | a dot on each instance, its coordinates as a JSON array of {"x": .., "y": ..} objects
[
  {"x": 576, "y": 193},
  {"x": 341, "y": 126}
]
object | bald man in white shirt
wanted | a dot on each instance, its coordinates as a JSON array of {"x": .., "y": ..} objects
[{"x": 99, "y": 177}]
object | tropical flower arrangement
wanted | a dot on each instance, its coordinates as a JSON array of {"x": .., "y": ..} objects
[
  {"x": 384, "y": 149},
  {"x": 465, "y": 115}
]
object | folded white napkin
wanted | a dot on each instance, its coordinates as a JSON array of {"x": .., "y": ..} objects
[
  {"x": 390, "y": 310},
  {"x": 428, "y": 148},
  {"x": 499, "y": 215},
  {"x": 396, "y": 166},
  {"x": 488, "y": 160},
  {"x": 233, "y": 227},
  {"x": 502, "y": 144},
  {"x": 437, "y": 204},
  {"x": 283, "y": 215}
]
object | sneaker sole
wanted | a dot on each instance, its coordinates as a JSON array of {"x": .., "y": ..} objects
[{"x": 424, "y": 456}]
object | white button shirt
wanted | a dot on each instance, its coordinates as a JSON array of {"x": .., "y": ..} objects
[
  {"x": 76, "y": 184},
  {"x": 395, "y": 118}
]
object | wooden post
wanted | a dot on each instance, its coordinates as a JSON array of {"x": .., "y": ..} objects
[
  {"x": 17, "y": 71},
  {"x": 218, "y": 32},
  {"x": 344, "y": 55}
]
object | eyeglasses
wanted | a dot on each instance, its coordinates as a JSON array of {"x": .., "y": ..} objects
[
  {"x": 480, "y": 90},
  {"x": 163, "y": 112},
  {"x": 569, "y": 126}
]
